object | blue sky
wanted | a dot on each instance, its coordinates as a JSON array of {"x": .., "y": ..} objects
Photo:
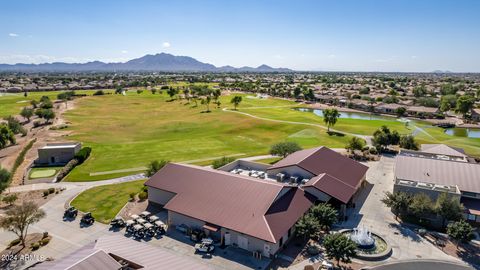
[{"x": 355, "y": 35}]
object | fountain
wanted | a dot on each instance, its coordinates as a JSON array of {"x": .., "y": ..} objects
[{"x": 363, "y": 238}]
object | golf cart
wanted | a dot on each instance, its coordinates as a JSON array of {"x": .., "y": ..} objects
[
  {"x": 149, "y": 230},
  {"x": 117, "y": 222},
  {"x": 145, "y": 214},
  {"x": 140, "y": 221},
  {"x": 71, "y": 212},
  {"x": 138, "y": 231},
  {"x": 206, "y": 246},
  {"x": 152, "y": 219},
  {"x": 129, "y": 225},
  {"x": 327, "y": 265},
  {"x": 87, "y": 219},
  {"x": 160, "y": 227},
  {"x": 134, "y": 217}
]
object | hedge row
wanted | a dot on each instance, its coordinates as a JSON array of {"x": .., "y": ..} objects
[
  {"x": 79, "y": 158},
  {"x": 21, "y": 157}
]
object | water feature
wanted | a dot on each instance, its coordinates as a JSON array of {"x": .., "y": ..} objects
[
  {"x": 351, "y": 115},
  {"x": 363, "y": 238},
  {"x": 463, "y": 132}
]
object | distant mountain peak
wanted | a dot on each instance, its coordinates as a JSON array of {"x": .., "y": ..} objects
[{"x": 150, "y": 62}]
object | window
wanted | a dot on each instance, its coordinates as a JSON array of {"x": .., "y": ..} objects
[
  {"x": 471, "y": 217},
  {"x": 281, "y": 242}
]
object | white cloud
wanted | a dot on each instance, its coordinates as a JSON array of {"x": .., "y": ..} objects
[
  {"x": 278, "y": 56},
  {"x": 38, "y": 59},
  {"x": 413, "y": 57},
  {"x": 124, "y": 51},
  {"x": 331, "y": 56},
  {"x": 166, "y": 44},
  {"x": 13, "y": 35}
]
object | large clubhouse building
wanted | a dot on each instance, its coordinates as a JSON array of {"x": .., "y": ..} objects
[
  {"x": 251, "y": 205},
  {"x": 436, "y": 169}
]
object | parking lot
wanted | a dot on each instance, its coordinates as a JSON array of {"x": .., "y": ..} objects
[{"x": 68, "y": 236}]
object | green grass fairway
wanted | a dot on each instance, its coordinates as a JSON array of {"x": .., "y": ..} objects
[
  {"x": 272, "y": 160},
  {"x": 36, "y": 173},
  {"x": 130, "y": 131},
  {"x": 106, "y": 201}
]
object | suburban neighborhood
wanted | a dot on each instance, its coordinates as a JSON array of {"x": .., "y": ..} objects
[{"x": 306, "y": 136}]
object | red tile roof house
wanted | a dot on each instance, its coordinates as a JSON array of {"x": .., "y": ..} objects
[{"x": 252, "y": 213}]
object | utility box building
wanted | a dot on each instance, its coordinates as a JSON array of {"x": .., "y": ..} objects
[{"x": 57, "y": 153}]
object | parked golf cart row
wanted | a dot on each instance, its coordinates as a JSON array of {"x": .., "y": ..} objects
[
  {"x": 203, "y": 244},
  {"x": 141, "y": 226},
  {"x": 72, "y": 212}
]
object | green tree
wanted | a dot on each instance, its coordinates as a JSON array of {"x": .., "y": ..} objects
[
  {"x": 355, "y": 143},
  {"x": 154, "y": 166},
  {"x": 330, "y": 117},
  {"x": 34, "y": 103},
  {"x": 47, "y": 114},
  {"x": 421, "y": 205},
  {"x": 464, "y": 105},
  {"x": 448, "y": 102},
  {"x": 307, "y": 227},
  {"x": 236, "y": 101},
  {"x": 408, "y": 142},
  {"x": 400, "y": 111},
  {"x": 206, "y": 101},
  {"x": 18, "y": 218},
  {"x": 6, "y": 136},
  {"x": 4, "y": 179},
  {"x": 27, "y": 113},
  {"x": 172, "y": 91},
  {"x": 398, "y": 202},
  {"x": 420, "y": 91},
  {"x": 449, "y": 208},
  {"x": 284, "y": 149},
  {"x": 339, "y": 247},
  {"x": 461, "y": 231},
  {"x": 325, "y": 215},
  {"x": 383, "y": 137}
]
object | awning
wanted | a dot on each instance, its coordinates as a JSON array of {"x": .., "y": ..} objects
[
  {"x": 211, "y": 227},
  {"x": 472, "y": 206}
]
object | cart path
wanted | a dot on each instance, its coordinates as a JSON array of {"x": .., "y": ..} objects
[{"x": 367, "y": 138}]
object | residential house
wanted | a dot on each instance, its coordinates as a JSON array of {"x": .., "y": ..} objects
[{"x": 437, "y": 169}]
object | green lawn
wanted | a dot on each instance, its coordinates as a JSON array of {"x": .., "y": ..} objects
[
  {"x": 129, "y": 131},
  {"x": 42, "y": 172},
  {"x": 106, "y": 201}
]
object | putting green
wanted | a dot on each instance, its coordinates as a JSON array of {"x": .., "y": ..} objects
[{"x": 42, "y": 172}]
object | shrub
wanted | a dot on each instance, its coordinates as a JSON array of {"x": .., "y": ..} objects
[
  {"x": 14, "y": 242},
  {"x": 66, "y": 169},
  {"x": 45, "y": 235},
  {"x": 51, "y": 190},
  {"x": 45, "y": 193},
  {"x": 83, "y": 154},
  {"x": 142, "y": 196},
  {"x": 373, "y": 150},
  {"x": 139, "y": 91},
  {"x": 10, "y": 199},
  {"x": 132, "y": 196},
  {"x": 44, "y": 241},
  {"x": 99, "y": 93},
  {"x": 35, "y": 246},
  {"x": 221, "y": 162},
  {"x": 37, "y": 123},
  {"x": 145, "y": 189}
]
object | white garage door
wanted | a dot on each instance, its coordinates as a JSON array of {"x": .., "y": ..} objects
[{"x": 242, "y": 242}]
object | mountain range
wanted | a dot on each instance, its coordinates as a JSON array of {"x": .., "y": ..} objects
[{"x": 162, "y": 62}]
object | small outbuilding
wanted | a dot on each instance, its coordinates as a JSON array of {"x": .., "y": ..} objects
[{"x": 57, "y": 153}]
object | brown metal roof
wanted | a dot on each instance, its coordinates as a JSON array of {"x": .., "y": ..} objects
[
  {"x": 333, "y": 187},
  {"x": 442, "y": 149},
  {"x": 443, "y": 172},
  {"x": 236, "y": 202},
  {"x": 325, "y": 160}
]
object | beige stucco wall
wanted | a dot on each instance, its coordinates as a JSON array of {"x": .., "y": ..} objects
[{"x": 159, "y": 196}]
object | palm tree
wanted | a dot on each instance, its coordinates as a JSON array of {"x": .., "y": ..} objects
[
  {"x": 330, "y": 117},
  {"x": 236, "y": 101}
]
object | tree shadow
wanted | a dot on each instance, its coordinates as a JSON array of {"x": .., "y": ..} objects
[
  {"x": 405, "y": 231},
  {"x": 335, "y": 133}
]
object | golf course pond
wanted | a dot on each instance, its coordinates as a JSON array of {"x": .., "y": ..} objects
[
  {"x": 463, "y": 132},
  {"x": 352, "y": 115}
]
